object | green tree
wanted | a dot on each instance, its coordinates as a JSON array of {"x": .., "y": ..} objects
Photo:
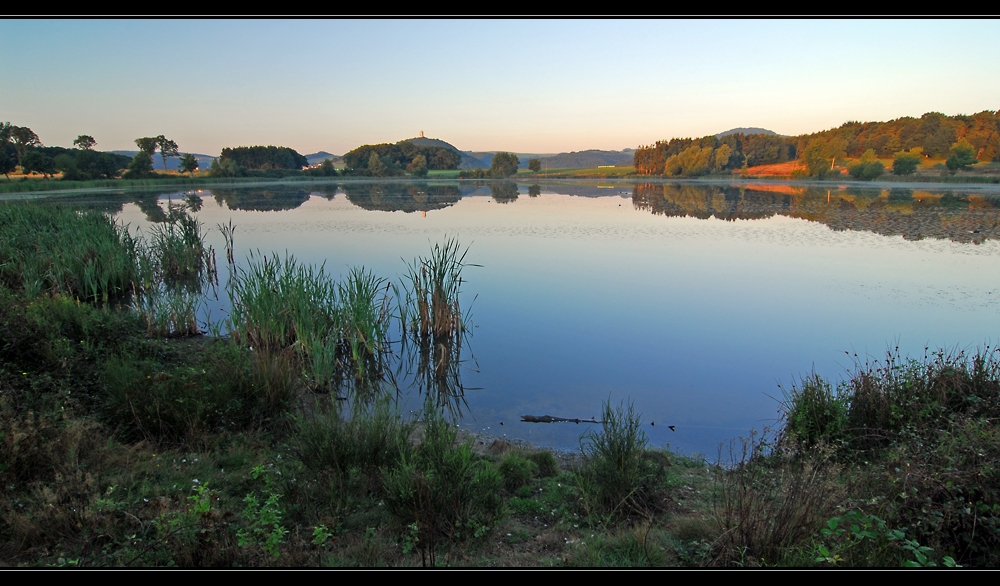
[
  {"x": 141, "y": 166},
  {"x": 535, "y": 165},
  {"x": 168, "y": 148},
  {"x": 906, "y": 162},
  {"x": 868, "y": 167},
  {"x": 962, "y": 155},
  {"x": 504, "y": 165},
  {"x": 418, "y": 166},
  {"x": 189, "y": 164},
  {"x": 22, "y": 138},
  {"x": 147, "y": 145},
  {"x": 721, "y": 157},
  {"x": 85, "y": 142},
  {"x": 376, "y": 168},
  {"x": 327, "y": 169},
  {"x": 36, "y": 162},
  {"x": 815, "y": 158}
]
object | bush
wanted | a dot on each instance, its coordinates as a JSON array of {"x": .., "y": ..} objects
[
  {"x": 616, "y": 479},
  {"x": 814, "y": 413},
  {"x": 517, "y": 471},
  {"x": 444, "y": 493},
  {"x": 546, "y": 462}
]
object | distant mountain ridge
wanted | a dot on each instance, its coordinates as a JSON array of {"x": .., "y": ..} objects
[{"x": 173, "y": 163}]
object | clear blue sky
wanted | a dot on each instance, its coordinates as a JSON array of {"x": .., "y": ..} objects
[{"x": 525, "y": 86}]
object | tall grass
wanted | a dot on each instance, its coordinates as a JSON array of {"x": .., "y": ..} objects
[
  {"x": 432, "y": 306},
  {"x": 618, "y": 480},
  {"x": 55, "y": 250},
  {"x": 338, "y": 330}
]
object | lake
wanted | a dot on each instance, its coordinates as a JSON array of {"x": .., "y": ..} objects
[{"x": 695, "y": 301}]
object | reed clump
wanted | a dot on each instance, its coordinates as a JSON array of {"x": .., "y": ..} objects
[
  {"x": 432, "y": 307},
  {"x": 60, "y": 251}
]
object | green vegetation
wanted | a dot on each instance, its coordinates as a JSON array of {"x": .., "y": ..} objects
[
  {"x": 387, "y": 160},
  {"x": 259, "y": 158},
  {"x": 906, "y": 162},
  {"x": 868, "y": 168},
  {"x": 503, "y": 165}
]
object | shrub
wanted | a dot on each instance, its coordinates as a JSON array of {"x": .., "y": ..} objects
[
  {"x": 814, "y": 413},
  {"x": 616, "y": 478},
  {"x": 517, "y": 471},
  {"x": 444, "y": 492}
]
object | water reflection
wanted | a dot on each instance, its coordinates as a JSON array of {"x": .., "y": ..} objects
[
  {"x": 268, "y": 199},
  {"x": 402, "y": 197},
  {"x": 912, "y": 214}
]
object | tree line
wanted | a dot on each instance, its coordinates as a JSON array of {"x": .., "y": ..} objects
[
  {"x": 711, "y": 154},
  {"x": 962, "y": 140}
]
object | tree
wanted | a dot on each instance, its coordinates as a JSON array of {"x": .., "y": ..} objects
[
  {"x": 8, "y": 159},
  {"x": 962, "y": 155},
  {"x": 418, "y": 167},
  {"x": 85, "y": 142},
  {"x": 868, "y": 167},
  {"x": 36, "y": 162},
  {"x": 189, "y": 164},
  {"x": 376, "y": 168},
  {"x": 504, "y": 165},
  {"x": 906, "y": 163},
  {"x": 147, "y": 145},
  {"x": 22, "y": 137},
  {"x": 168, "y": 148},
  {"x": 816, "y": 159},
  {"x": 141, "y": 166},
  {"x": 535, "y": 165},
  {"x": 721, "y": 157}
]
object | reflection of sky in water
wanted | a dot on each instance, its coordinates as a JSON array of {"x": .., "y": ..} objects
[{"x": 697, "y": 321}]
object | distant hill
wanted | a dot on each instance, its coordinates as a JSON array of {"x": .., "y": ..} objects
[
  {"x": 753, "y": 130},
  {"x": 469, "y": 159},
  {"x": 317, "y": 158},
  {"x": 588, "y": 158},
  {"x": 173, "y": 163}
]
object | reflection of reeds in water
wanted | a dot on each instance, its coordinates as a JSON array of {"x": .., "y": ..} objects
[
  {"x": 431, "y": 317},
  {"x": 176, "y": 269}
]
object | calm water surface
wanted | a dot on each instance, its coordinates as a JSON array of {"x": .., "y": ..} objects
[{"x": 693, "y": 301}]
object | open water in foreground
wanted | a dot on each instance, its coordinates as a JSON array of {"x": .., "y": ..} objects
[{"x": 693, "y": 301}]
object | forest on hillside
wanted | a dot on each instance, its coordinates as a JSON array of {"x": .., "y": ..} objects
[{"x": 935, "y": 134}]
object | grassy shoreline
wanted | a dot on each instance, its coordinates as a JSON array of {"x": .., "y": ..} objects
[{"x": 126, "y": 439}]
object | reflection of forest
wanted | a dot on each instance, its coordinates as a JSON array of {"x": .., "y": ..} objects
[
  {"x": 911, "y": 214},
  {"x": 262, "y": 200},
  {"x": 402, "y": 197}
]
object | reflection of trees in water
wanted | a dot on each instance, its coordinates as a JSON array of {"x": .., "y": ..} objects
[
  {"x": 913, "y": 214},
  {"x": 271, "y": 199},
  {"x": 402, "y": 197},
  {"x": 503, "y": 191},
  {"x": 534, "y": 191}
]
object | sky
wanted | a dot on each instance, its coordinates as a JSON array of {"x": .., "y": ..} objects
[{"x": 528, "y": 86}]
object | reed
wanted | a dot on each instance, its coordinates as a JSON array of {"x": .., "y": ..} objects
[
  {"x": 432, "y": 297},
  {"x": 55, "y": 250}
]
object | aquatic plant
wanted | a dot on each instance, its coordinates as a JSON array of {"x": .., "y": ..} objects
[
  {"x": 57, "y": 250},
  {"x": 432, "y": 297}
]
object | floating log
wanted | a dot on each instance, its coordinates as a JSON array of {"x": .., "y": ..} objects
[{"x": 551, "y": 419}]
